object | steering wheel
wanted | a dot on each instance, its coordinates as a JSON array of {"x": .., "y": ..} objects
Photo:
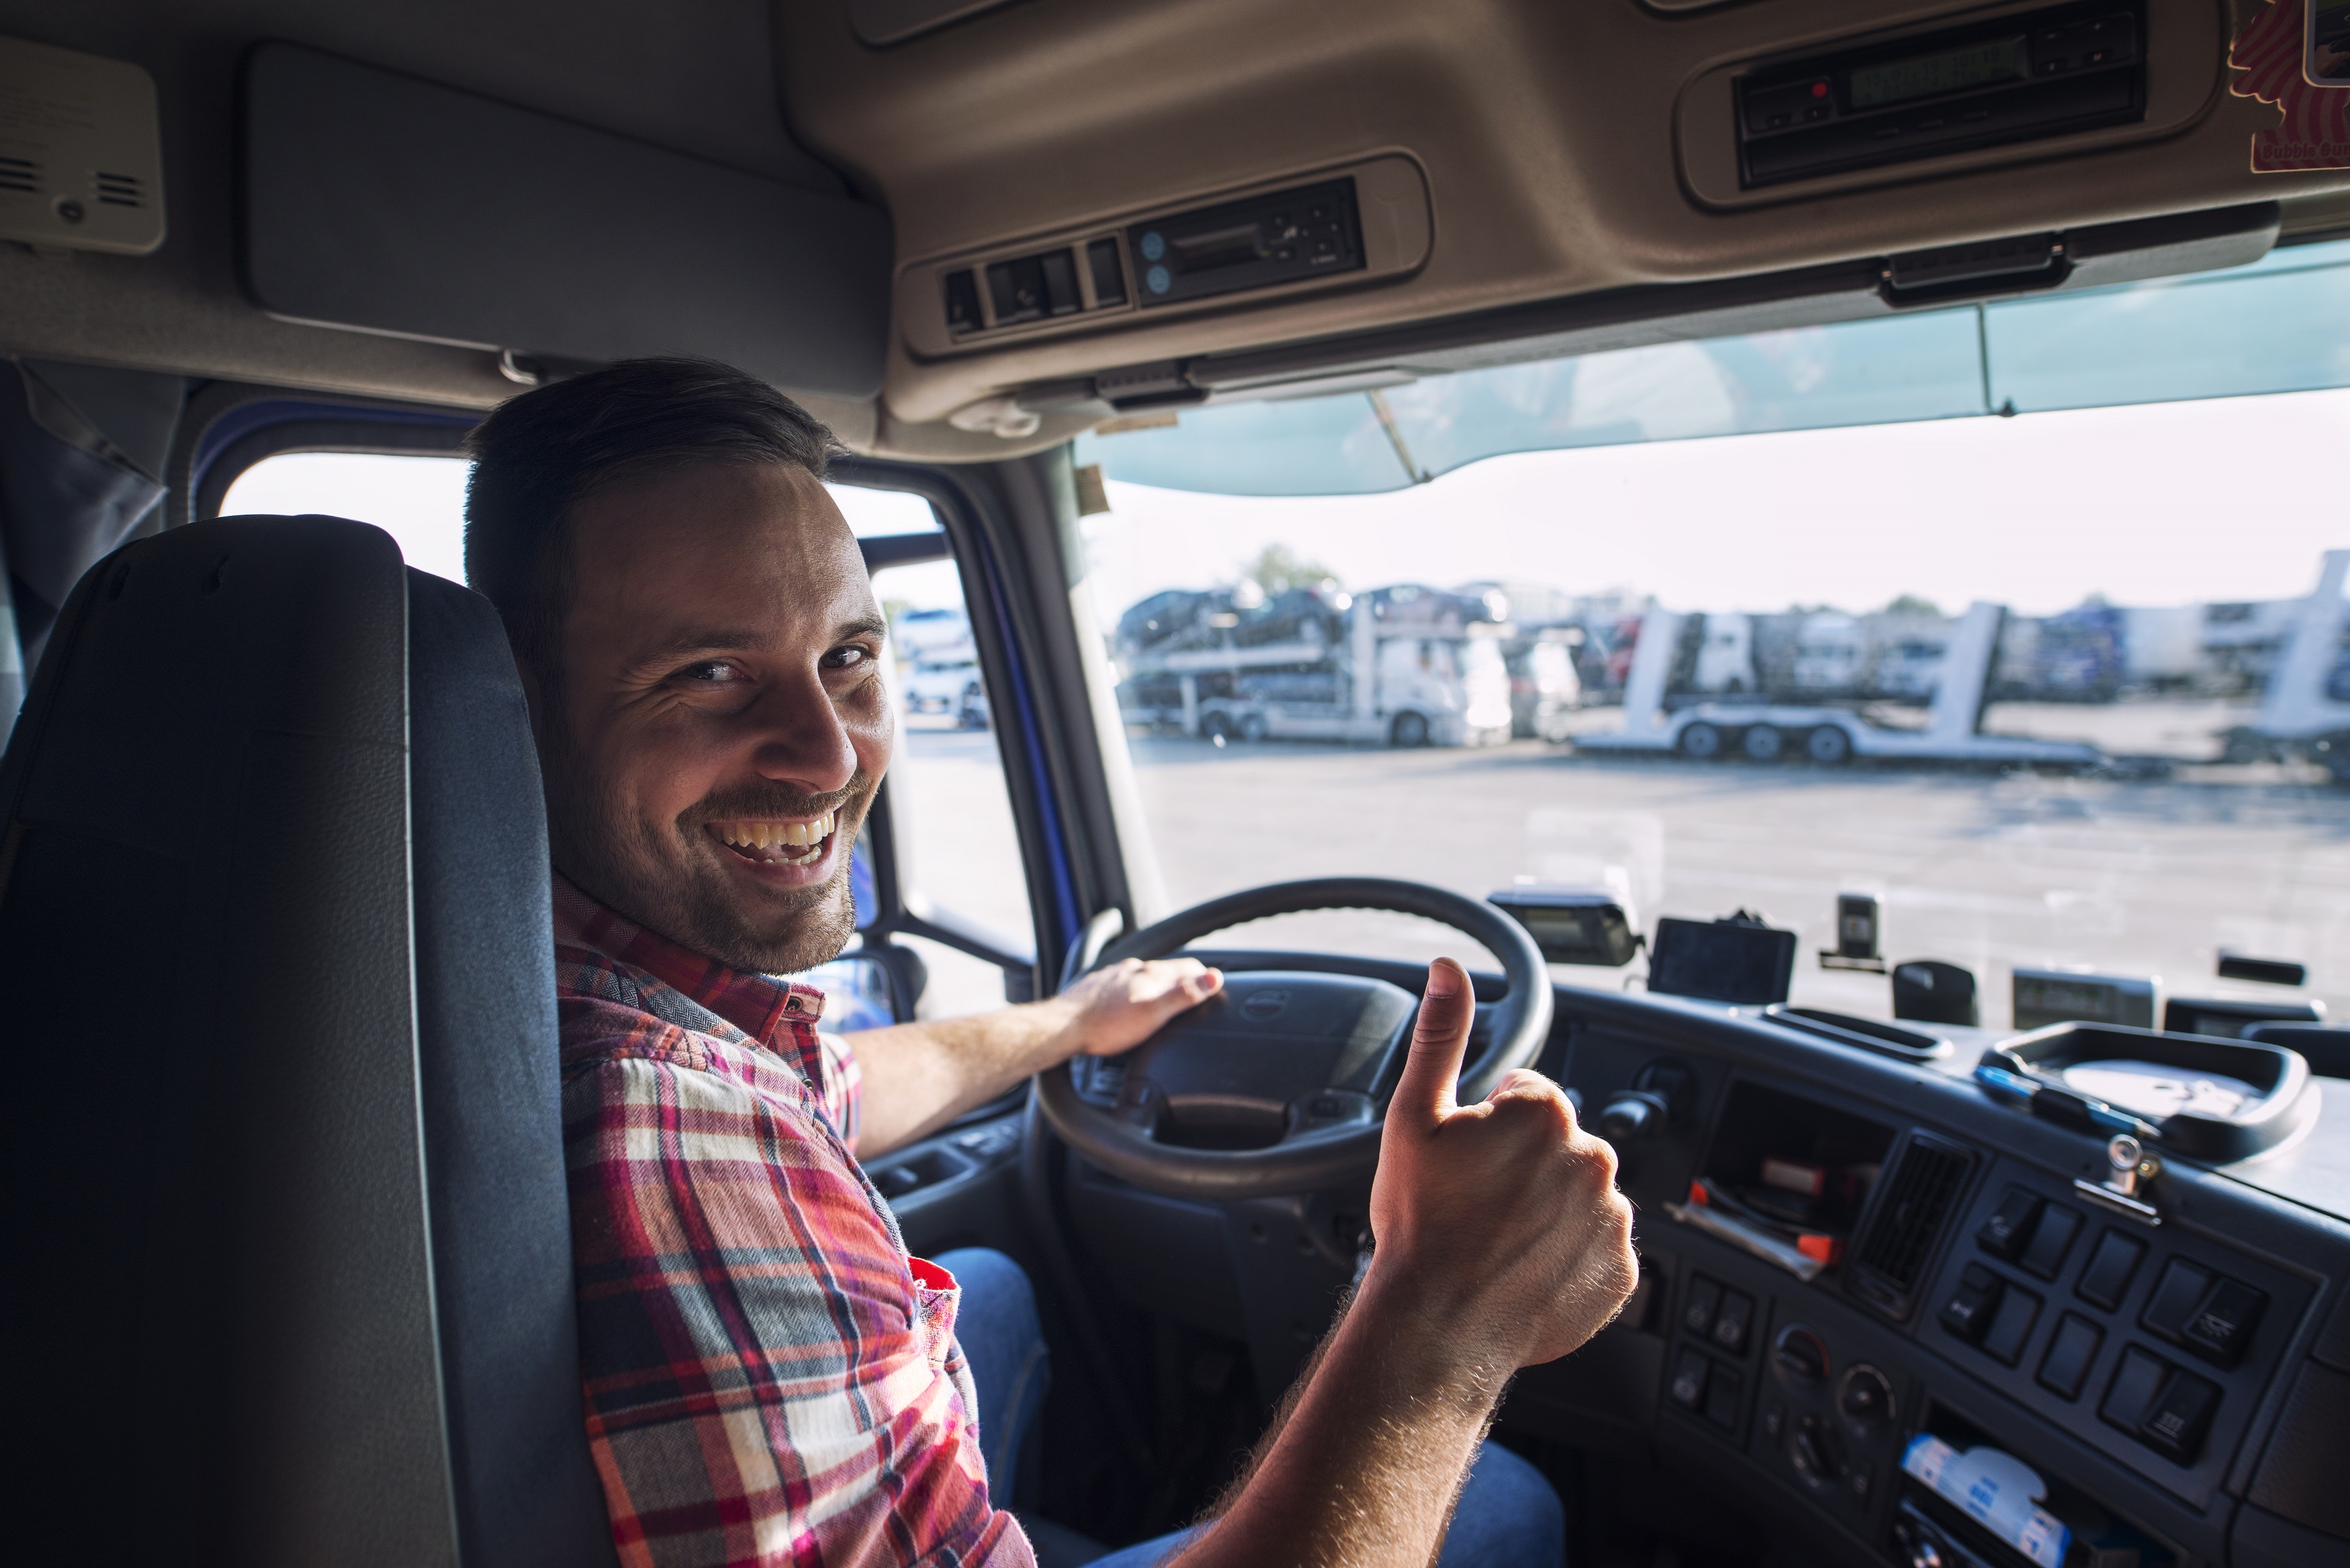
[{"x": 1278, "y": 1083}]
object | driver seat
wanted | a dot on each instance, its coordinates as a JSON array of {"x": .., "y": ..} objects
[{"x": 286, "y": 1222}]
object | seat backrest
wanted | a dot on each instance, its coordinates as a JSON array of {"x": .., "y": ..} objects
[{"x": 291, "y": 1276}]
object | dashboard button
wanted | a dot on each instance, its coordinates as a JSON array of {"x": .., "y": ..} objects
[
  {"x": 2109, "y": 1270},
  {"x": 1688, "y": 1380},
  {"x": 2222, "y": 1325},
  {"x": 2177, "y": 1295},
  {"x": 2070, "y": 1350},
  {"x": 1774, "y": 1420},
  {"x": 2051, "y": 1240},
  {"x": 2175, "y": 1423},
  {"x": 1696, "y": 1311},
  {"x": 2137, "y": 1380},
  {"x": 1969, "y": 1311},
  {"x": 1722, "y": 1392},
  {"x": 2011, "y": 1325},
  {"x": 2010, "y": 1225},
  {"x": 1737, "y": 1317}
]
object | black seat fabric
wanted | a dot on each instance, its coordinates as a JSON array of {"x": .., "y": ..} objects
[{"x": 290, "y": 1263}]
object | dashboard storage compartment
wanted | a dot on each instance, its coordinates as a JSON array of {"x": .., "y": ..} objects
[
  {"x": 2218, "y": 1100},
  {"x": 1965, "y": 1501}
]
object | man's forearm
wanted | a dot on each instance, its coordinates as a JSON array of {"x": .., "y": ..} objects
[
  {"x": 920, "y": 1076},
  {"x": 1367, "y": 1457}
]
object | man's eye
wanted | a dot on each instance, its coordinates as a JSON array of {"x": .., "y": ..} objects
[
  {"x": 709, "y": 672},
  {"x": 849, "y": 658}
]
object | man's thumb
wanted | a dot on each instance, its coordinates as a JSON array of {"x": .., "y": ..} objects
[{"x": 1432, "y": 1072}]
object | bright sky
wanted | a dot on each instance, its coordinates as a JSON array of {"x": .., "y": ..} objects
[{"x": 2153, "y": 504}]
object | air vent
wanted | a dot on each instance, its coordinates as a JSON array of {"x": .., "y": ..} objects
[
  {"x": 1926, "y": 1180},
  {"x": 20, "y": 174},
  {"x": 121, "y": 191}
]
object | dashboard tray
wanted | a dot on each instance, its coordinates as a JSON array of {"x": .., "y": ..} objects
[{"x": 2212, "y": 1099}]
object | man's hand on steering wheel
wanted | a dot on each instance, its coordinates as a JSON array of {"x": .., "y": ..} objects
[
  {"x": 1498, "y": 1223},
  {"x": 1120, "y": 1005}
]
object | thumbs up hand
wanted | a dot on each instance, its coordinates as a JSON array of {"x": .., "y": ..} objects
[{"x": 1498, "y": 1224}]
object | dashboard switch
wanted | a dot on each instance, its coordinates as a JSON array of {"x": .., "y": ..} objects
[
  {"x": 2180, "y": 1416},
  {"x": 2051, "y": 1240},
  {"x": 2177, "y": 1295},
  {"x": 2222, "y": 1325},
  {"x": 2011, "y": 1224},
  {"x": 1969, "y": 1311},
  {"x": 1697, "y": 1308},
  {"x": 1737, "y": 1318},
  {"x": 1722, "y": 1392},
  {"x": 1687, "y": 1389},
  {"x": 2066, "y": 1365},
  {"x": 1800, "y": 1354},
  {"x": 2011, "y": 1325},
  {"x": 2109, "y": 1270}
]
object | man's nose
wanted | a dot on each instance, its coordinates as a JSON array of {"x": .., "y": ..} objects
[{"x": 803, "y": 739}]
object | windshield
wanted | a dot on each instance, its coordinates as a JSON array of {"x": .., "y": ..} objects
[{"x": 2024, "y": 620}]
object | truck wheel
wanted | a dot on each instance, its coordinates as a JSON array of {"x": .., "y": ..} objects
[
  {"x": 1828, "y": 745},
  {"x": 1408, "y": 729},
  {"x": 973, "y": 715},
  {"x": 1763, "y": 743},
  {"x": 1215, "y": 727},
  {"x": 1252, "y": 727},
  {"x": 1701, "y": 740}
]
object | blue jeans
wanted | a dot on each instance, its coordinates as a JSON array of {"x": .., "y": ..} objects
[{"x": 1509, "y": 1517}]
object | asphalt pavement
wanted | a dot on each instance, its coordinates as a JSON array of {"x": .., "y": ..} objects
[{"x": 2135, "y": 875}]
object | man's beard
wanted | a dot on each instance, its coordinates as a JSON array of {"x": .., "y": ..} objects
[{"x": 649, "y": 871}]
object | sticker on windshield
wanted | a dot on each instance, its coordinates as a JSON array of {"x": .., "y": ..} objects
[{"x": 2300, "y": 62}]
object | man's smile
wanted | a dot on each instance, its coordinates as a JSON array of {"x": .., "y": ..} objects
[{"x": 797, "y": 842}]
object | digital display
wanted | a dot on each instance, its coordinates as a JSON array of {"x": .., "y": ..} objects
[
  {"x": 1929, "y": 76},
  {"x": 1722, "y": 960}
]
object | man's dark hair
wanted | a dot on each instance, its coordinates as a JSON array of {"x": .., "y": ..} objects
[{"x": 538, "y": 455}]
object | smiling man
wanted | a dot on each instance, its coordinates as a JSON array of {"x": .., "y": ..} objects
[{"x": 770, "y": 1378}]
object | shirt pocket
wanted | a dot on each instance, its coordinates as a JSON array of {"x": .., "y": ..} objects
[{"x": 937, "y": 1298}]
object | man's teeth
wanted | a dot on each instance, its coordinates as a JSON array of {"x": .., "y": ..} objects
[{"x": 777, "y": 835}]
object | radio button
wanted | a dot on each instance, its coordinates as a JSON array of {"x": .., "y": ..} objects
[{"x": 2177, "y": 1295}]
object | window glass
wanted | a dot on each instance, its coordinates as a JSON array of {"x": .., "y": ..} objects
[
  {"x": 959, "y": 850},
  {"x": 2069, "y": 688}
]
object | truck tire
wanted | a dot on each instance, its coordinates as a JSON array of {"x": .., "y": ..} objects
[
  {"x": 1701, "y": 742},
  {"x": 1408, "y": 729},
  {"x": 1215, "y": 727},
  {"x": 1763, "y": 743},
  {"x": 1252, "y": 727},
  {"x": 1828, "y": 745}
]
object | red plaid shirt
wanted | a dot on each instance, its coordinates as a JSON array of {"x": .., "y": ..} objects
[{"x": 770, "y": 1378}]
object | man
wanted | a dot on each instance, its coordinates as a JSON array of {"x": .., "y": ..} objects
[{"x": 769, "y": 1376}]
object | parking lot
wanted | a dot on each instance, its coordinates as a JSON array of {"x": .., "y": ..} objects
[{"x": 2132, "y": 875}]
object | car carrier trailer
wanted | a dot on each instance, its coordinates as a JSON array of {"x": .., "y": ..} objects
[{"x": 1766, "y": 731}]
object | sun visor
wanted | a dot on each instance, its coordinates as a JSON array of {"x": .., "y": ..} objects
[{"x": 381, "y": 203}]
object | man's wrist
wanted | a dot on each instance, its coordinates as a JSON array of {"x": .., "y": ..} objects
[{"x": 1431, "y": 1352}]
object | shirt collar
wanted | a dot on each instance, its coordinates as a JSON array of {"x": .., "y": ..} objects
[{"x": 760, "y": 1005}]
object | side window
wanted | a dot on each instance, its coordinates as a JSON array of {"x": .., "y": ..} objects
[{"x": 956, "y": 846}]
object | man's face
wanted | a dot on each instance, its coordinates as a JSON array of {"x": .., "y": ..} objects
[{"x": 722, "y": 725}]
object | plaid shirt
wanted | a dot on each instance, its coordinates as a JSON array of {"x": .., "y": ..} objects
[{"x": 770, "y": 1378}]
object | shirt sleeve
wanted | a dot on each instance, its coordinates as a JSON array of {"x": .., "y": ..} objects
[
  {"x": 766, "y": 1383},
  {"x": 844, "y": 1085}
]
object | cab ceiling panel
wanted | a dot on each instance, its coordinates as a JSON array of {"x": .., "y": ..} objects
[
  {"x": 1567, "y": 149},
  {"x": 375, "y": 200}
]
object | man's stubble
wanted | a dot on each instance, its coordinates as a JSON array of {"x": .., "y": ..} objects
[{"x": 649, "y": 872}]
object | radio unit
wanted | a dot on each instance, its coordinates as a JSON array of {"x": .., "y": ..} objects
[
  {"x": 1285, "y": 235},
  {"x": 2013, "y": 78}
]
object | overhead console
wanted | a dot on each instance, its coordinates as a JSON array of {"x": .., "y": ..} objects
[
  {"x": 2022, "y": 82},
  {"x": 1362, "y": 222}
]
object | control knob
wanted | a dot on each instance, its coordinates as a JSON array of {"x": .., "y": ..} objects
[
  {"x": 1658, "y": 1094},
  {"x": 1800, "y": 1354}
]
